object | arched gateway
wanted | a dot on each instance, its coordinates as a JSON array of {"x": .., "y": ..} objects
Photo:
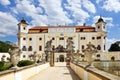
[
  {"x": 60, "y": 54},
  {"x": 61, "y": 58}
]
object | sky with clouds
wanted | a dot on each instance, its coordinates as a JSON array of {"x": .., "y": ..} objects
[{"x": 53, "y": 12}]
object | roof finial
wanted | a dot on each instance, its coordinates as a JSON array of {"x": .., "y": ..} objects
[
  {"x": 100, "y": 19},
  {"x": 100, "y": 16},
  {"x": 23, "y": 21}
]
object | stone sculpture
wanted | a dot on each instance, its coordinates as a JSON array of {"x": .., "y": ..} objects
[
  {"x": 89, "y": 52},
  {"x": 14, "y": 55},
  {"x": 35, "y": 57}
]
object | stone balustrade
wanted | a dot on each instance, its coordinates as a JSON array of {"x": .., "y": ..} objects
[
  {"x": 91, "y": 73},
  {"x": 23, "y": 73}
]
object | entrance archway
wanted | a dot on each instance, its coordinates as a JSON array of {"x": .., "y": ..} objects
[{"x": 61, "y": 58}]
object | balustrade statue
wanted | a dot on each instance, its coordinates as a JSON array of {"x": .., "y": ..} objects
[
  {"x": 48, "y": 48},
  {"x": 89, "y": 53},
  {"x": 14, "y": 55}
]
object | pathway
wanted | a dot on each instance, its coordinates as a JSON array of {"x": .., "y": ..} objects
[{"x": 59, "y": 72}]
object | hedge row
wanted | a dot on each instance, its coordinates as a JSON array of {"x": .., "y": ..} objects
[{"x": 24, "y": 63}]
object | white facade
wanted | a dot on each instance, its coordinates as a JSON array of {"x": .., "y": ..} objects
[{"x": 34, "y": 39}]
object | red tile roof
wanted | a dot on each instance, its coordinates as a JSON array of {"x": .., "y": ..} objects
[{"x": 44, "y": 29}]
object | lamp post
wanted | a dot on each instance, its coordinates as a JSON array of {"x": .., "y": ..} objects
[{"x": 89, "y": 51}]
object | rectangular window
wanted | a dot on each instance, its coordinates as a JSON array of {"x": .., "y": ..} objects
[
  {"x": 104, "y": 47},
  {"x": 99, "y": 47},
  {"x": 93, "y": 38},
  {"x": 70, "y": 38},
  {"x": 82, "y": 46},
  {"x": 104, "y": 37},
  {"x": 40, "y": 48},
  {"x": 53, "y": 38},
  {"x": 98, "y": 37},
  {"x": 24, "y": 48},
  {"x": 61, "y": 38},
  {"x": 30, "y": 48},
  {"x": 24, "y": 38},
  {"x": 82, "y": 38}
]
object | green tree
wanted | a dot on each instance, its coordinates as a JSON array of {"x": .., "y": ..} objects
[
  {"x": 4, "y": 46},
  {"x": 115, "y": 46}
]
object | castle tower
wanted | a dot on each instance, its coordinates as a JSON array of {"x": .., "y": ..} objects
[
  {"x": 100, "y": 25},
  {"x": 22, "y": 32},
  {"x": 101, "y": 37}
]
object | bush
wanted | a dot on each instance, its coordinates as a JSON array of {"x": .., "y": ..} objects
[
  {"x": 4, "y": 66},
  {"x": 2, "y": 63},
  {"x": 24, "y": 63}
]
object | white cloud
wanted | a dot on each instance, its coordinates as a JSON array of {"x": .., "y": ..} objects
[
  {"x": 111, "y": 41},
  {"x": 108, "y": 20},
  {"x": 89, "y": 6},
  {"x": 53, "y": 12},
  {"x": 97, "y": 1},
  {"x": 112, "y": 5},
  {"x": 5, "y": 2},
  {"x": 77, "y": 12},
  {"x": 8, "y": 24},
  {"x": 27, "y": 7}
]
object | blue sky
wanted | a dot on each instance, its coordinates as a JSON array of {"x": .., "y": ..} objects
[{"x": 53, "y": 12}]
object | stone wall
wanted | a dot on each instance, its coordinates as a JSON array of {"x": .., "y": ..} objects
[
  {"x": 108, "y": 55},
  {"x": 91, "y": 73},
  {"x": 22, "y": 73}
]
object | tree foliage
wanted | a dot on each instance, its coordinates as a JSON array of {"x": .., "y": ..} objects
[
  {"x": 115, "y": 46},
  {"x": 4, "y": 46}
]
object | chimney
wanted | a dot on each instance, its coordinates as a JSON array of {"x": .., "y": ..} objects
[{"x": 84, "y": 24}]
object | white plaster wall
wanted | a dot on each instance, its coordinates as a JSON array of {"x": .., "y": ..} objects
[{"x": 6, "y": 54}]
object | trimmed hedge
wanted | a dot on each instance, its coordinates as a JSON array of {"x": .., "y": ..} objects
[{"x": 24, "y": 63}]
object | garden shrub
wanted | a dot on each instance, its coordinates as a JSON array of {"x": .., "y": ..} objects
[
  {"x": 2, "y": 63},
  {"x": 24, "y": 63},
  {"x": 4, "y": 66}
]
